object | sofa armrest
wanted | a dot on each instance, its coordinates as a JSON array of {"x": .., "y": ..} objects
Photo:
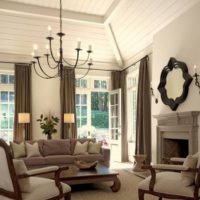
[{"x": 106, "y": 155}]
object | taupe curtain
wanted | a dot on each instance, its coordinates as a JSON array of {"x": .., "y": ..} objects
[
  {"x": 22, "y": 100},
  {"x": 143, "y": 120},
  {"x": 118, "y": 80},
  {"x": 67, "y": 100}
]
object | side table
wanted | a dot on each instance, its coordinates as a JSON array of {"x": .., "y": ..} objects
[{"x": 139, "y": 161}]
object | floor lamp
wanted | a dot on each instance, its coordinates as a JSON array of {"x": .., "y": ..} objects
[
  {"x": 23, "y": 118},
  {"x": 69, "y": 119}
]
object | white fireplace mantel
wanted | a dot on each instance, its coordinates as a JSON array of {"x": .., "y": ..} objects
[{"x": 178, "y": 125}]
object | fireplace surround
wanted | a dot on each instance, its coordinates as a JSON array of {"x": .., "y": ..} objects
[{"x": 177, "y": 135}]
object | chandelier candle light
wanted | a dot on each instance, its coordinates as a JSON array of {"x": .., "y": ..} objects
[{"x": 61, "y": 62}]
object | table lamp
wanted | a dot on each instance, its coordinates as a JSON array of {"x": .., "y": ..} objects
[
  {"x": 23, "y": 118},
  {"x": 69, "y": 119}
]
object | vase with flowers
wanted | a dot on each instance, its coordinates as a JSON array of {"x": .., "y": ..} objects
[{"x": 48, "y": 124}]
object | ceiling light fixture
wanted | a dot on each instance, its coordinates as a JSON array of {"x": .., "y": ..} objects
[{"x": 61, "y": 62}]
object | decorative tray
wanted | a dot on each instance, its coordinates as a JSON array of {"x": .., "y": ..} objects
[{"x": 84, "y": 165}]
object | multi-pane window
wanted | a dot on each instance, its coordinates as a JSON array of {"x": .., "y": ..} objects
[
  {"x": 92, "y": 108},
  {"x": 81, "y": 109},
  {"x": 6, "y": 106}
]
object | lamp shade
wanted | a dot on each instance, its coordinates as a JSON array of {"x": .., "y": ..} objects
[
  {"x": 69, "y": 118},
  {"x": 23, "y": 118}
]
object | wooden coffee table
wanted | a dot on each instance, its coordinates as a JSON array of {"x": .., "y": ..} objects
[{"x": 101, "y": 173}]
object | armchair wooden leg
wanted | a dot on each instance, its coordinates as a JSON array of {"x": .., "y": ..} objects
[
  {"x": 160, "y": 198},
  {"x": 68, "y": 196},
  {"x": 141, "y": 194}
]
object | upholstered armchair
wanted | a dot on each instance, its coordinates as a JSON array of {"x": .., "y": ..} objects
[
  {"x": 173, "y": 181},
  {"x": 16, "y": 182}
]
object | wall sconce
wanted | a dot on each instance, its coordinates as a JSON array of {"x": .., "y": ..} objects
[
  {"x": 153, "y": 95},
  {"x": 196, "y": 75}
]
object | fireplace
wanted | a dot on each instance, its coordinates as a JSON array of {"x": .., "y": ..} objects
[
  {"x": 174, "y": 148},
  {"x": 177, "y": 135}
]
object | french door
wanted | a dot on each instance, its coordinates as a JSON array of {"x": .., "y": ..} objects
[{"x": 115, "y": 125}]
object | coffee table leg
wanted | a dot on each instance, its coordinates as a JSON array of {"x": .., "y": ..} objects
[{"x": 116, "y": 185}]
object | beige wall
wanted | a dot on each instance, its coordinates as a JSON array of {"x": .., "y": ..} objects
[
  {"x": 46, "y": 98},
  {"x": 180, "y": 39}
]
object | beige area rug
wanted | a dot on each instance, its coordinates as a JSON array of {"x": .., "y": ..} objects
[
  {"x": 102, "y": 191},
  {"x": 142, "y": 174}
]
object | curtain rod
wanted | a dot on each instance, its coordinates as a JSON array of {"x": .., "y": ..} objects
[
  {"x": 136, "y": 62},
  {"x": 23, "y": 63}
]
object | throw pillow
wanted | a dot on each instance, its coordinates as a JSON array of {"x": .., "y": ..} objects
[
  {"x": 94, "y": 147},
  {"x": 20, "y": 168},
  {"x": 81, "y": 148},
  {"x": 18, "y": 150},
  {"x": 32, "y": 150},
  {"x": 188, "y": 178},
  {"x": 56, "y": 147}
]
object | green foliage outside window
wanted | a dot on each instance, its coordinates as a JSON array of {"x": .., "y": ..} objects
[{"x": 99, "y": 106}]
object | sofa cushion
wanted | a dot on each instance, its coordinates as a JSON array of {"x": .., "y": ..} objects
[
  {"x": 18, "y": 150},
  {"x": 56, "y": 147},
  {"x": 20, "y": 168},
  {"x": 168, "y": 183},
  {"x": 43, "y": 188},
  {"x": 94, "y": 147},
  {"x": 34, "y": 161},
  {"x": 81, "y": 148},
  {"x": 188, "y": 178},
  {"x": 90, "y": 157},
  {"x": 82, "y": 140},
  {"x": 32, "y": 150},
  {"x": 59, "y": 159}
]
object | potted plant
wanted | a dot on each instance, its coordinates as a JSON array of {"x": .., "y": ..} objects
[{"x": 48, "y": 124}]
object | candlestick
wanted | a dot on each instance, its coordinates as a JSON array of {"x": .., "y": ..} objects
[
  {"x": 50, "y": 30},
  {"x": 90, "y": 48},
  {"x": 47, "y": 48},
  {"x": 195, "y": 69},
  {"x": 78, "y": 43},
  {"x": 35, "y": 49}
]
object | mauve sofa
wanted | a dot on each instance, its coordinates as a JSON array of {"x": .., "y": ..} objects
[{"x": 60, "y": 152}]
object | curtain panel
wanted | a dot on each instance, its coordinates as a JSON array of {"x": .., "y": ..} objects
[
  {"x": 143, "y": 119},
  {"x": 68, "y": 103},
  {"x": 22, "y": 101},
  {"x": 118, "y": 80}
]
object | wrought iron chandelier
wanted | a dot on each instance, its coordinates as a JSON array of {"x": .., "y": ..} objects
[{"x": 61, "y": 62}]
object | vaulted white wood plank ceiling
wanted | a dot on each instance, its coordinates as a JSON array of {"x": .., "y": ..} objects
[{"x": 118, "y": 30}]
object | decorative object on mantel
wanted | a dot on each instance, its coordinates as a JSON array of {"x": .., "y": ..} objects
[
  {"x": 48, "y": 124},
  {"x": 61, "y": 62},
  {"x": 84, "y": 165},
  {"x": 174, "y": 83},
  {"x": 196, "y": 76}
]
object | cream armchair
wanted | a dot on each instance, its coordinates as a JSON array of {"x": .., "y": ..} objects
[
  {"x": 18, "y": 183},
  {"x": 173, "y": 181}
]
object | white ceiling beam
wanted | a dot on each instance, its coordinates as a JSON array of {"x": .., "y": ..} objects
[
  {"x": 114, "y": 44},
  {"x": 111, "y": 11},
  {"x": 33, "y": 10}
]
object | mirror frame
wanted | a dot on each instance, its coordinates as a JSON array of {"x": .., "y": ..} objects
[{"x": 172, "y": 64}]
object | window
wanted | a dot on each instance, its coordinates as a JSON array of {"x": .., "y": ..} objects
[
  {"x": 6, "y": 106},
  {"x": 132, "y": 85},
  {"x": 92, "y": 108}
]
